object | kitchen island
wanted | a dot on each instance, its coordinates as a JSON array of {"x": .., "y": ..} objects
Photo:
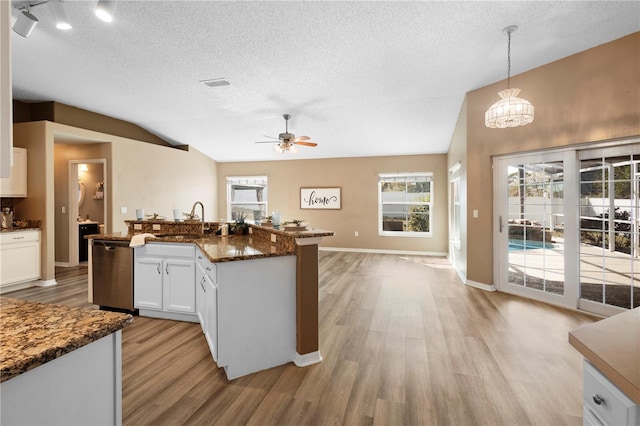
[
  {"x": 257, "y": 291},
  {"x": 60, "y": 365}
]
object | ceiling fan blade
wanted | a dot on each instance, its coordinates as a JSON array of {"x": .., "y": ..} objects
[
  {"x": 301, "y": 138},
  {"x": 270, "y": 137},
  {"x": 305, "y": 143},
  {"x": 267, "y": 141}
]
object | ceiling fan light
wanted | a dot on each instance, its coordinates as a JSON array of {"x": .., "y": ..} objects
[
  {"x": 279, "y": 149},
  {"x": 59, "y": 15},
  {"x": 25, "y": 23},
  {"x": 105, "y": 10},
  {"x": 293, "y": 149}
]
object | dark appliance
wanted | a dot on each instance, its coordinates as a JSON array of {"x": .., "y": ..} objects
[
  {"x": 112, "y": 265},
  {"x": 83, "y": 245}
]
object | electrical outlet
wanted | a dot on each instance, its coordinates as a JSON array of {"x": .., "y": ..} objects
[
  {"x": 273, "y": 238},
  {"x": 156, "y": 226},
  {"x": 356, "y": 233},
  {"x": 64, "y": 209},
  {"x": 475, "y": 214},
  {"x": 137, "y": 226},
  {"x": 250, "y": 231}
]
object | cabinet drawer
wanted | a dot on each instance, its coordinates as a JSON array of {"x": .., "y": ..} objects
[
  {"x": 606, "y": 401},
  {"x": 208, "y": 268},
  {"x": 167, "y": 250},
  {"x": 19, "y": 237}
]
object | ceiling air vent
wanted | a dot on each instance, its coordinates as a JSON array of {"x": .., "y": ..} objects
[{"x": 216, "y": 82}]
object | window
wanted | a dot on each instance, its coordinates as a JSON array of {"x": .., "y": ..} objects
[
  {"x": 405, "y": 204},
  {"x": 247, "y": 195}
]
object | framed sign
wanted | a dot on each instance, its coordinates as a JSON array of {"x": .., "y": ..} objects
[{"x": 320, "y": 198}]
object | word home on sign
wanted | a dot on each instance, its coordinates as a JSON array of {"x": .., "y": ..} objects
[{"x": 320, "y": 198}]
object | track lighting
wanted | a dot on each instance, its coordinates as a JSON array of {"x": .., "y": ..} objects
[
  {"x": 105, "y": 10},
  {"x": 59, "y": 15},
  {"x": 25, "y": 23}
]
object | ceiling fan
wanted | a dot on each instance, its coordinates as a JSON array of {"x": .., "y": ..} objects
[{"x": 287, "y": 141}]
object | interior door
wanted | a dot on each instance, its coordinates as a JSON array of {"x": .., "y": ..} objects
[{"x": 534, "y": 218}]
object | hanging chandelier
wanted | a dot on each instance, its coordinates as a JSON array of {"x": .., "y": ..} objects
[{"x": 510, "y": 111}]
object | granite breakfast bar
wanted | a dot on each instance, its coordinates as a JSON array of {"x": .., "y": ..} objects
[
  {"x": 263, "y": 286},
  {"x": 60, "y": 365}
]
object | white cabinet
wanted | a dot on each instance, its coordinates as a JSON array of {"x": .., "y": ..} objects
[
  {"x": 19, "y": 257},
  {"x": 211, "y": 316},
  {"x": 16, "y": 184},
  {"x": 207, "y": 302},
  {"x": 164, "y": 277},
  {"x": 148, "y": 283},
  {"x": 604, "y": 403},
  {"x": 248, "y": 312}
]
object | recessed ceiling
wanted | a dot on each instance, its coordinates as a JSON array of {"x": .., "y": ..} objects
[{"x": 359, "y": 78}]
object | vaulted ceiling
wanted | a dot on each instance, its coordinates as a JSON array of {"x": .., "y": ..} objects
[{"x": 359, "y": 78}]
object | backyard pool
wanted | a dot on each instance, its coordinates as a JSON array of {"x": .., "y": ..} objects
[{"x": 528, "y": 245}]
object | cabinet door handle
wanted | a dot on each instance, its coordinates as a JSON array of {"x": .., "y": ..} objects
[
  {"x": 166, "y": 269},
  {"x": 18, "y": 238},
  {"x": 200, "y": 257},
  {"x": 599, "y": 400},
  {"x": 159, "y": 269},
  {"x": 208, "y": 268},
  {"x": 202, "y": 285}
]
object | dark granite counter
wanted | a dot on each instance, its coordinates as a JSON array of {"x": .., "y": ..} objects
[
  {"x": 32, "y": 334},
  {"x": 257, "y": 244}
]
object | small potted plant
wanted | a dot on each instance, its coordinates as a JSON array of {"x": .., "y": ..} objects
[{"x": 241, "y": 227}]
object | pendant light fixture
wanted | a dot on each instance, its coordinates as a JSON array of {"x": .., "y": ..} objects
[
  {"x": 510, "y": 111},
  {"x": 105, "y": 10},
  {"x": 59, "y": 15}
]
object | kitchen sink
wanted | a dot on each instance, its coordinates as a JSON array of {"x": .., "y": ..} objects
[{"x": 181, "y": 236}]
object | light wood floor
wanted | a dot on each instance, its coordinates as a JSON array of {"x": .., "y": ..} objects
[{"x": 403, "y": 341}]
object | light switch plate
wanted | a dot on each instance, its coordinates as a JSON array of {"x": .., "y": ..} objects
[
  {"x": 137, "y": 226},
  {"x": 156, "y": 226},
  {"x": 273, "y": 238},
  {"x": 123, "y": 210},
  {"x": 475, "y": 214}
]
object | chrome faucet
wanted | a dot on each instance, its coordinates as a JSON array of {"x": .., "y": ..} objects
[{"x": 193, "y": 213}]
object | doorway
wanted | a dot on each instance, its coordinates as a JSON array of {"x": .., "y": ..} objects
[
  {"x": 88, "y": 197},
  {"x": 567, "y": 227}
]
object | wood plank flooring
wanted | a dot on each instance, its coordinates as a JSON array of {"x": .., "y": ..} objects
[{"x": 404, "y": 343}]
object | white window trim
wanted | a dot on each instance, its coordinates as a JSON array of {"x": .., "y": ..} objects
[
  {"x": 230, "y": 203},
  {"x": 410, "y": 234}
]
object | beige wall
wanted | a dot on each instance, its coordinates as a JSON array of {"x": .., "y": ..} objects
[
  {"x": 37, "y": 138},
  {"x": 588, "y": 97},
  {"x": 139, "y": 174},
  {"x": 63, "y": 153},
  {"x": 358, "y": 179},
  {"x": 160, "y": 179}
]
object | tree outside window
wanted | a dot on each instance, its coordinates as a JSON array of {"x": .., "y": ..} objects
[{"x": 405, "y": 204}]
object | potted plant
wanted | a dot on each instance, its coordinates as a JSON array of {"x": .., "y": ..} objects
[{"x": 241, "y": 226}]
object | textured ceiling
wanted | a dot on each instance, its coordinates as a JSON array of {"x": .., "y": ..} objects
[{"x": 360, "y": 78}]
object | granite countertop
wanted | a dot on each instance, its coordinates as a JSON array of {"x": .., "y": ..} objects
[
  {"x": 228, "y": 248},
  {"x": 18, "y": 229},
  {"x": 216, "y": 248},
  {"x": 32, "y": 333},
  {"x": 612, "y": 345}
]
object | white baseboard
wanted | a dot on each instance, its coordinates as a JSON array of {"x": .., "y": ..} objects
[
  {"x": 381, "y": 251},
  {"x": 61, "y": 264},
  {"x": 463, "y": 278},
  {"x": 307, "y": 359},
  {"x": 46, "y": 283},
  {"x": 481, "y": 286}
]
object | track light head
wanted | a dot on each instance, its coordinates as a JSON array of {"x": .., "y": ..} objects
[
  {"x": 105, "y": 10},
  {"x": 60, "y": 15},
  {"x": 25, "y": 23}
]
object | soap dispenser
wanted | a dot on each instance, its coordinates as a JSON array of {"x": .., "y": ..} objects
[{"x": 7, "y": 218}]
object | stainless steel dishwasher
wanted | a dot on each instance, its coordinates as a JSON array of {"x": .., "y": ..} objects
[{"x": 112, "y": 263}]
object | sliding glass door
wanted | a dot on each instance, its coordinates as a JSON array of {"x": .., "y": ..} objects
[
  {"x": 531, "y": 204},
  {"x": 609, "y": 262},
  {"x": 568, "y": 227}
]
